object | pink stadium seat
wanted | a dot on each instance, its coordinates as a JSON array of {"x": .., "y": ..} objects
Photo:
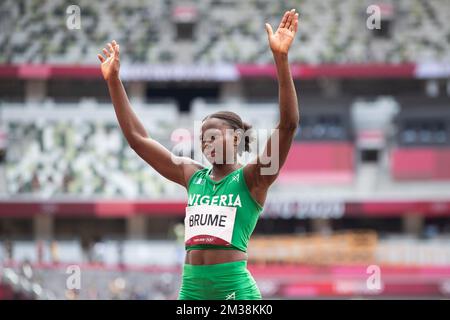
[
  {"x": 420, "y": 163},
  {"x": 319, "y": 162}
]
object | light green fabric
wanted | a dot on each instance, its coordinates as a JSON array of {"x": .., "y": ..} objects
[{"x": 223, "y": 281}]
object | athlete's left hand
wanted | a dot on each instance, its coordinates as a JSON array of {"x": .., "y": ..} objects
[{"x": 281, "y": 40}]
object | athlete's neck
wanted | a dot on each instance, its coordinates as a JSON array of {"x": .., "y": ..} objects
[{"x": 221, "y": 170}]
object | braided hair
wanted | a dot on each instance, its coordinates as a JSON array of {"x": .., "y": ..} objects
[{"x": 235, "y": 122}]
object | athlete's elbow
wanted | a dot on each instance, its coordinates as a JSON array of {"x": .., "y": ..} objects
[
  {"x": 133, "y": 145},
  {"x": 135, "y": 142},
  {"x": 289, "y": 126}
]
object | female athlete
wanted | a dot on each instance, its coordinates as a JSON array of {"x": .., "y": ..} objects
[{"x": 225, "y": 199}]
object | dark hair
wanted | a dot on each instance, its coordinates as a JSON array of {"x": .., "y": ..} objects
[{"x": 235, "y": 122}]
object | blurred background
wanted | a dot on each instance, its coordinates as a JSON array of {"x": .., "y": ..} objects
[{"x": 364, "y": 193}]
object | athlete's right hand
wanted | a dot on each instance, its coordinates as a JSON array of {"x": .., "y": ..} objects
[{"x": 110, "y": 66}]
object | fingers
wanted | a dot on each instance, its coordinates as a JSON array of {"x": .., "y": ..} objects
[
  {"x": 294, "y": 24},
  {"x": 289, "y": 19},
  {"x": 110, "y": 47},
  {"x": 116, "y": 48},
  {"x": 269, "y": 30},
  {"x": 116, "y": 51},
  {"x": 284, "y": 19},
  {"x": 113, "y": 49},
  {"x": 106, "y": 53}
]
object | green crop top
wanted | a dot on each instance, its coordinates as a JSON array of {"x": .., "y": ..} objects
[{"x": 220, "y": 214}]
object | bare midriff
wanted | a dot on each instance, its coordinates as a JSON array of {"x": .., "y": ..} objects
[{"x": 205, "y": 257}]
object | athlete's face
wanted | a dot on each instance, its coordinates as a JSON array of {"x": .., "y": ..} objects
[{"x": 219, "y": 141}]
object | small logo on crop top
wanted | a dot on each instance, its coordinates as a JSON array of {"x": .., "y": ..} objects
[
  {"x": 231, "y": 296},
  {"x": 236, "y": 178},
  {"x": 199, "y": 181}
]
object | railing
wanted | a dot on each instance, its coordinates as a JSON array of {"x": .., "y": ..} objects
[
  {"x": 335, "y": 249},
  {"x": 349, "y": 248}
]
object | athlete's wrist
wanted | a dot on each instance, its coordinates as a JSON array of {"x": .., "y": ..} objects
[
  {"x": 113, "y": 79},
  {"x": 280, "y": 56}
]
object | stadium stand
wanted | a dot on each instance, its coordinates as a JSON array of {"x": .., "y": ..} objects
[
  {"x": 423, "y": 145},
  {"x": 64, "y": 150},
  {"x": 148, "y": 34}
]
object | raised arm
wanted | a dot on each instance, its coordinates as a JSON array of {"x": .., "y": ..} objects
[
  {"x": 262, "y": 174},
  {"x": 174, "y": 168}
]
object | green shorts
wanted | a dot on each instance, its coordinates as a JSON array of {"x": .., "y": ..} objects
[{"x": 223, "y": 281}]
